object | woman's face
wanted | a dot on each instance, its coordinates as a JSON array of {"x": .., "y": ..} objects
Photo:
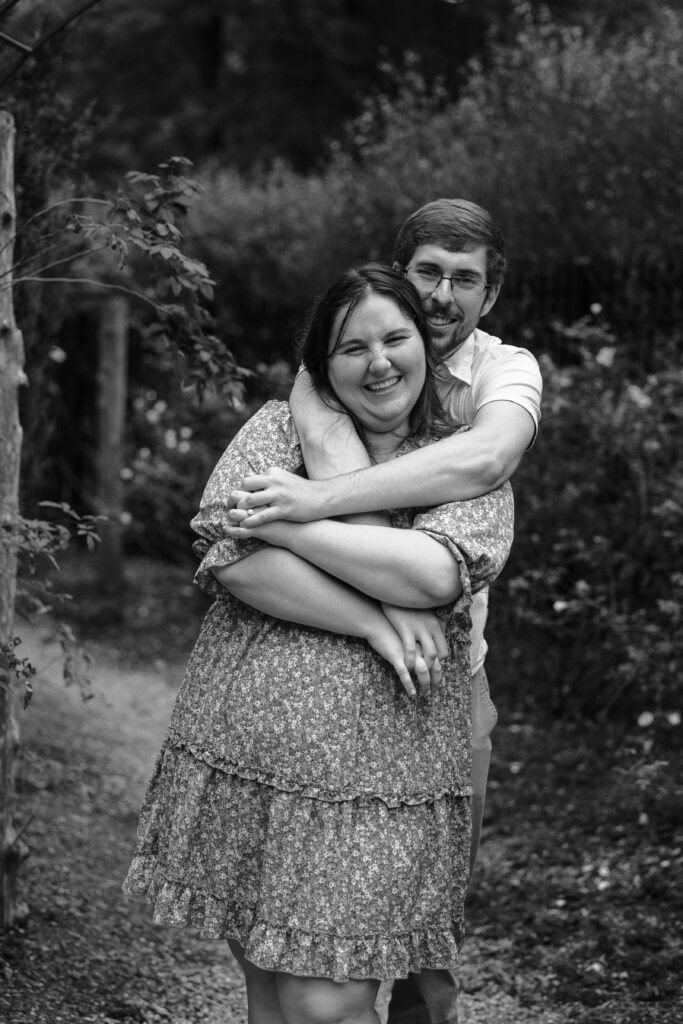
[{"x": 377, "y": 368}]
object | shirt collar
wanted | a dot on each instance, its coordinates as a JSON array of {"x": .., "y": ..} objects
[{"x": 459, "y": 364}]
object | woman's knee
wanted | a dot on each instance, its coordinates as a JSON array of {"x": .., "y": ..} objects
[{"x": 321, "y": 1001}]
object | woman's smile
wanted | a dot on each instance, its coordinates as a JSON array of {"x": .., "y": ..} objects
[
  {"x": 383, "y": 386},
  {"x": 377, "y": 365}
]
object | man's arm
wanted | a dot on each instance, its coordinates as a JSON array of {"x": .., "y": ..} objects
[
  {"x": 458, "y": 467},
  {"x": 329, "y": 442}
]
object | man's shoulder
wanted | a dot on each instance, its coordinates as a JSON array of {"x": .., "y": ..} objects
[{"x": 489, "y": 344}]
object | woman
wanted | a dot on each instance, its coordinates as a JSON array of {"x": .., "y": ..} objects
[{"x": 307, "y": 804}]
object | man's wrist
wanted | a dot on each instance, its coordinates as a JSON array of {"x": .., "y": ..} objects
[{"x": 324, "y": 497}]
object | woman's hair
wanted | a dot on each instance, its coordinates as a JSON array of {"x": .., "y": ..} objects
[
  {"x": 317, "y": 342},
  {"x": 458, "y": 226}
]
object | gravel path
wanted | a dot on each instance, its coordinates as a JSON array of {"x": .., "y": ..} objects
[{"x": 89, "y": 955}]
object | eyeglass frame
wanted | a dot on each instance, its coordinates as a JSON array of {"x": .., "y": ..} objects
[{"x": 444, "y": 277}]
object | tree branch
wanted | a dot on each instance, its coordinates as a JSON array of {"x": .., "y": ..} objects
[
  {"x": 89, "y": 280},
  {"x": 44, "y": 40},
  {"x": 57, "y": 263},
  {"x": 16, "y": 43},
  {"x": 48, "y": 209}
]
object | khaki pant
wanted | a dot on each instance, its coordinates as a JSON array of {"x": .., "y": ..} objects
[
  {"x": 431, "y": 997},
  {"x": 484, "y": 718}
]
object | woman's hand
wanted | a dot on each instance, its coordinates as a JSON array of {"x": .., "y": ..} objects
[
  {"x": 276, "y": 533},
  {"x": 422, "y": 638},
  {"x": 384, "y": 639},
  {"x": 278, "y": 494}
]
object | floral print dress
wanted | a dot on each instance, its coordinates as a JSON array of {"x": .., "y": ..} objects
[{"x": 302, "y": 804}]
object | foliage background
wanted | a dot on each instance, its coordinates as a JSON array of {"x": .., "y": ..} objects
[{"x": 314, "y": 129}]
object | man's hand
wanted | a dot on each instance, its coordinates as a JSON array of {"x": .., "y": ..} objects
[
  {"x": 278, "y": 494},
  {"x": 422, "y": 638}
]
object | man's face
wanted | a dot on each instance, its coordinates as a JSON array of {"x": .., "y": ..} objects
[{"x": 453, "y": 308}]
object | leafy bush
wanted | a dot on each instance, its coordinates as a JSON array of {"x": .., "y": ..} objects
[
  {"x": 587, "y": 618},
  {"x": 172, "y": 449},
  {"x": 174, "y": 442},
  {"x": 568, "y": 136}
]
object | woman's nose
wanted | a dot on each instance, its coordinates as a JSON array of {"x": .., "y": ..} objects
[{"x": 379, "y": 361}]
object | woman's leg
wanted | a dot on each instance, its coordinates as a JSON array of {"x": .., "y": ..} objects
[
  {"x": 263, "y": 999},
  {"x": 320, "y": 1001}
]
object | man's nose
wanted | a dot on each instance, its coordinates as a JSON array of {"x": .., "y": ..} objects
[{"x": 444, "y": 290}]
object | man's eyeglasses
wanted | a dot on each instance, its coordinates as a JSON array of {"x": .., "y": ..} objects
[{"x": 429, "y": 278}]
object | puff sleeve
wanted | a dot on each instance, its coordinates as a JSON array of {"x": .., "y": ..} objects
[
  {"x": 477, "y": 532},
  {"x": 267, "y": 439}
]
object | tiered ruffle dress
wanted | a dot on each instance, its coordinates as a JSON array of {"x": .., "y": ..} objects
[{"x": 302, "y": 804}]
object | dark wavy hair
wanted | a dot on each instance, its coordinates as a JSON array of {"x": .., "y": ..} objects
[
  {"x": 346, "y": 292},
  {"x": 457, "y": 225}
]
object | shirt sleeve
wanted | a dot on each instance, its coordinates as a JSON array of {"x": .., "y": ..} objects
[
  {"x": 508, "y": 374},
  {"x": 267, "y": 439},
  {"x": 478, "y": 533}
]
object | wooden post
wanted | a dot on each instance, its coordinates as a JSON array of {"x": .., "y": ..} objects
[
  {"x": 12, "y": 376},
  {"x": 112, "y": 387}
]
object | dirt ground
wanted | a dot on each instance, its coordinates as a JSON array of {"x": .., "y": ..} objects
[{"x": 87, "y": 954}]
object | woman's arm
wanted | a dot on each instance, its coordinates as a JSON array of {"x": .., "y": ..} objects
[
  {"x": 279, "y": 583},
  {"x": 402, "y": 567}
]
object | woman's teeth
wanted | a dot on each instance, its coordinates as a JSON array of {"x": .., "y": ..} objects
[{"x": 383, "y": 385}]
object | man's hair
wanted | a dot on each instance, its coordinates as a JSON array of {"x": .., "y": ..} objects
[
  {"x": 456, "y": 225},
  {"x": 322, "y": 334}
]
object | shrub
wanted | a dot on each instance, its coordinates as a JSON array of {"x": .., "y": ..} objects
[
  {"x": 568, "y": 136},
  {"x": 587, "y": 618}
]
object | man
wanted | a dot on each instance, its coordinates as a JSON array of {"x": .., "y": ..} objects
[{"x": 455, "y": 257}]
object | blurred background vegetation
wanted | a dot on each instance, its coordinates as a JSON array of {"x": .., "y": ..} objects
[{"x": 314, "y": 128}]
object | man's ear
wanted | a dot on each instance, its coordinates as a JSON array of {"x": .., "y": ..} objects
[
  {"x": 490, "y": 302},
  {"x": 396, "y": 266}
]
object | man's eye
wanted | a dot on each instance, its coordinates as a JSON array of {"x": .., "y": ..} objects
[
  {"x": 427, "y": 275},
  {"x": 465, "y": 280}
]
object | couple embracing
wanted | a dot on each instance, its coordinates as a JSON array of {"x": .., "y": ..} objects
[{"x": 318, "y": 797}]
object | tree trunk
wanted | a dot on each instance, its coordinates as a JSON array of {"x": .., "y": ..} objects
[
  {"x": 12, "y": 850},
  {"x": 111, "y": 408}
]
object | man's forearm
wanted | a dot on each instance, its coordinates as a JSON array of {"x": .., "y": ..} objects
[
  {"x": 329, "y": 442},
  {"x": 464, "y": 465},
  {"x": 331, "y": 447}
]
